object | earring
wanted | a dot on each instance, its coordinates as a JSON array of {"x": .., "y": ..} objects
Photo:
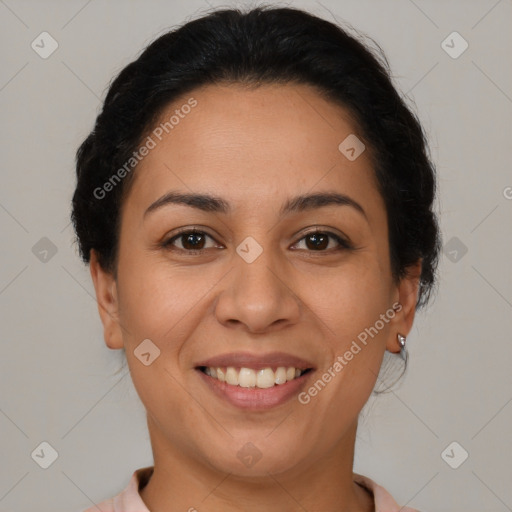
[{"x": 403, "y": 350}]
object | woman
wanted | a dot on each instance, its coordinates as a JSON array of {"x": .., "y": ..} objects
[{"x": 255, "y": 203}]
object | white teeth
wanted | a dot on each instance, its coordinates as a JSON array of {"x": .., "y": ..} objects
[
  {"x": 265, "y": 378},
  {"x": 249, "y": 378},
  {"x": 280, "y": 375},
  {"x": 232, "y": 376}
]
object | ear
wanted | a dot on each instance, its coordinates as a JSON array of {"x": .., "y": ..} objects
[
  {"x": 108, "y": 305},
  {"x": 406, "y": 298}
]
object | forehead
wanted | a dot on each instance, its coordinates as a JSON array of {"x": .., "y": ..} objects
[{"x": 249, "y": 144}]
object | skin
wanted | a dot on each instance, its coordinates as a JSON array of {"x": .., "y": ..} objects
[{"x": 255, "y": 148}]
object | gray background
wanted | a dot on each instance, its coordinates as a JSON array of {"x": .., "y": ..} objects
[{"x": 58, "y": 381}]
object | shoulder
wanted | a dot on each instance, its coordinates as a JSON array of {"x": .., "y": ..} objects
[
  {"x": 128, "y": 500},
  {"x": 384, "y": 502},
  {"x": 104, "y": 506}
]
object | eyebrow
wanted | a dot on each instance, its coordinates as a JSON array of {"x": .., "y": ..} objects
[{"x": 211, "y": 203}]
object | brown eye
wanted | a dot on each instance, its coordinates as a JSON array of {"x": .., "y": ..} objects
[
  {"x": 191, "y": 241},
  {"x": 319, "y": 241}
]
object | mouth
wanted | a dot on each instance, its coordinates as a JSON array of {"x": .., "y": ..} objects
[{"x": 254, "y": 382}]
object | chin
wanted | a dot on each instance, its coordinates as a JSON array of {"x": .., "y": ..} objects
[{"x": 257, "y": 459}]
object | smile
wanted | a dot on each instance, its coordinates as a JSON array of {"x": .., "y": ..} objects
[{"x": 253, "y": 381}]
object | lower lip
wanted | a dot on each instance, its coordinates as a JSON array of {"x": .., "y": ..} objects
[{"x": 255, "y": 398}]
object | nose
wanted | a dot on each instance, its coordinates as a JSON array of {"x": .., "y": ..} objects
[{"x": 258, "y": 296}]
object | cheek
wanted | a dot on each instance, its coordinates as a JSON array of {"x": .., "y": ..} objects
[
  {"x": 351, "y": 306},
  {"x": 352, "y": 298},
  {"x": 158, "y": 301},
  {"x": 161, "y": 394}
]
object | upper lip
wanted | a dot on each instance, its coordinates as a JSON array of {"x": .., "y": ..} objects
[{"x": 256, "y": 361}]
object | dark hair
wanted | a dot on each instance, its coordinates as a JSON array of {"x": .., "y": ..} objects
[{"x": 260, "y": 46}]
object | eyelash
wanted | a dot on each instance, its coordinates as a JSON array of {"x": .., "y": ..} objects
[{"x": 168, "y": 244}]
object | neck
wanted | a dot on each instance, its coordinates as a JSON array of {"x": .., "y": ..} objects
[{"x": 183, "y": 483}]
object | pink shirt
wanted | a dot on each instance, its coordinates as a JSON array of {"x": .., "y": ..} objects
[{"x": 129, "y": 500}]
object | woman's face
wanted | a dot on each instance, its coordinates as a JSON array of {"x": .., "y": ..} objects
[{"x": 263, "y": 289}]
